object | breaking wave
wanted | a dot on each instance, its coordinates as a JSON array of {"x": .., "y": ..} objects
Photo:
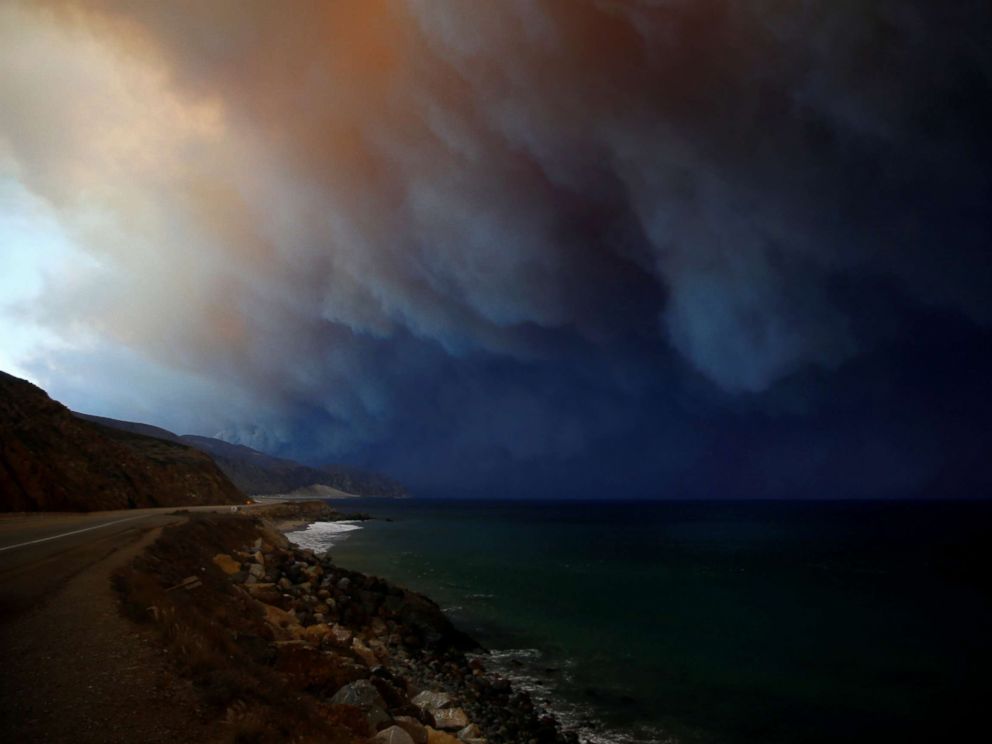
[
  {"x": 523, "y": 667},
  {"x": 320, "y": 536}
]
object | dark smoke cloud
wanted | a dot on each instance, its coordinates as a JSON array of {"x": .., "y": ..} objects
[{"x": 531, "y": 244}]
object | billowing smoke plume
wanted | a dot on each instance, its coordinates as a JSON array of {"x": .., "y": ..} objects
[{"x": 455, "y": 236}]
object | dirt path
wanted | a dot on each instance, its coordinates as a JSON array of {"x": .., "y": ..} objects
[{"x": 74, "y": 670}]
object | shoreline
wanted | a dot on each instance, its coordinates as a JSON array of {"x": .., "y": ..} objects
[
  {"x": 365, "y": 659},
  {"x": 293, "y": 516},
  {"x": 544, "y": 672}
]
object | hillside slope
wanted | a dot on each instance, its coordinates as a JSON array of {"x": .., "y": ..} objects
[
  {"x": 50, "y": 460},
  {"x": 131, "y": 426},
  {"x": 255, "y": 472}
]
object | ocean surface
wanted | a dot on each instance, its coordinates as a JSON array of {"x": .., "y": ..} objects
[{"x": 710, "y": 622}]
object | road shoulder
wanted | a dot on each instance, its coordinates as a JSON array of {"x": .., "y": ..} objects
[{"x": 76, "y": 670}]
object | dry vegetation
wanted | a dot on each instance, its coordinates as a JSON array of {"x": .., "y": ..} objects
[
  {"x": 283, "y": 645},
  {"x": 217, "y": 637}
]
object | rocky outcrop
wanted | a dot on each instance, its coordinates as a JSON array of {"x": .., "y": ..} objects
[
  {"x": 393, "y": 735},
  {"x": 50, "y": 460},
  {"x": 292, "y": 515},
  {"x": 393, "y": 640},
  {"x": 293, "y": 627}
]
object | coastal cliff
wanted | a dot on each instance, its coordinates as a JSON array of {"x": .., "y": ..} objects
[
  {"x": 50, "y": 460},
  {"x": 282, "y": 644}
]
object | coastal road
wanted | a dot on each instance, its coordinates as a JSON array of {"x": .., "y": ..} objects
[
  {"x": 73, "y": 668},
  {"x": 39, "y": 552}
]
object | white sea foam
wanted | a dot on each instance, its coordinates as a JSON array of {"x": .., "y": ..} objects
[
  {"x": 513, "y": 654},
  {"x": 320, "y": 536},
  {"x": 520, "y": 666}
]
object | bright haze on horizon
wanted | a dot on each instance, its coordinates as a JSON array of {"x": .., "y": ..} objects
[{"x": 643, "y": 249}]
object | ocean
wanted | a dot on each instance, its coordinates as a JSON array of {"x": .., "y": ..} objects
[{"x": 709, "y": 622}]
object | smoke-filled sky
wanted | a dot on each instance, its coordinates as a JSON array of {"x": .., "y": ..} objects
[{"x": 641, "y": 248}]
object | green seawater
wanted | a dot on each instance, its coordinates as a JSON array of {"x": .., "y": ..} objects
[{"x": 712, "y": 622}]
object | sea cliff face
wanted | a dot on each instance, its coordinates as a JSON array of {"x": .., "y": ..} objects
[{"x": 51, "y": 460}]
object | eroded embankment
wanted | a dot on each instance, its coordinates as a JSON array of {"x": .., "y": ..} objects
[{"x": 281, "y": 644}]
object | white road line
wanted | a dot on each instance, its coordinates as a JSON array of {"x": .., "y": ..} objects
[{"x": 74, "y": 532}]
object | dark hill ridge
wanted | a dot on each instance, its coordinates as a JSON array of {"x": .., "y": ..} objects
[
  {"x": 131, "y": 426},
  {"x": 259, "y": 473},
  {"x": 51, "y": 460},
  {"x": 256, "y": 473}
]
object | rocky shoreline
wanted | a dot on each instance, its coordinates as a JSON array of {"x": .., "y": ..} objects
[
  {"x": 280, "y": 642},
  {"x": 290, "y": 516}
]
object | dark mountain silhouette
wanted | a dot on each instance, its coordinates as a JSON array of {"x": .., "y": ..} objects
[{"x": 255, "y": 472}]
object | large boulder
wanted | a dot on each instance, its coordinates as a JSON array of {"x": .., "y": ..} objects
[
  {"x": 316, "y": 633},
  {"x": 364, "y": 653},
  {"x": 393, "y": 735},
  {"x": 378, "y": 717},
  {"x": 282, "y": 623},
  {"x": 341, "y": 635},
  {"x": 264, "y": 592},
  {"x": 226, "y": 563},
  {"x": 472, "y": 734},
  {"x": 273, "y": 537},
  {"x": 440, "y": 737},
  {"x": 427, "y": 624},
  {"x": 451, "y": 719},
  {"x": 361, "y": 694},
  {"x": 432, "y": 700},
  {"x": 413, "y": 727}
]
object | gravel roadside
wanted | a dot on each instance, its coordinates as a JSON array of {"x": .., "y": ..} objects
[{"x": 75, "y": 670}]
